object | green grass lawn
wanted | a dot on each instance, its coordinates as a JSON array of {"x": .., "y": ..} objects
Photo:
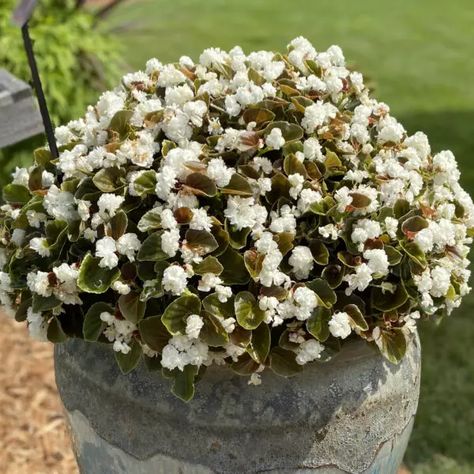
[{"x": 420, "y": 56}]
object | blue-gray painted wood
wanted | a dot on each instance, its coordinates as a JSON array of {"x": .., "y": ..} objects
[{"x": 19, "y": 113}]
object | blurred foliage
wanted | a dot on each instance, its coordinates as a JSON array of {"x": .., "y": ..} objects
[{"x": 76, "y": 57}]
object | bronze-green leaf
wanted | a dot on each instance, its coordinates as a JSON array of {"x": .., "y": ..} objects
[
  {"x": 154, "y": 333},
  {"x": 283, "y": 362},
  {"x": 259, "y": 347},
  {"x": 131, "y": 307},
  {"x": 247, "y": 311},
  {"x": 175, "y": 315}
]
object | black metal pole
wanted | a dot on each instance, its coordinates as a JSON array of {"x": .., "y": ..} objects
[{"x": 48, "y": 126}]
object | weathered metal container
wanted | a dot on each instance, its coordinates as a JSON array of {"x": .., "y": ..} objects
[{"x": 353, "y": 414}]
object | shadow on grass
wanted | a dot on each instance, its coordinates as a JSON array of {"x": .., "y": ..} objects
[{"x": 444, "y": 428}]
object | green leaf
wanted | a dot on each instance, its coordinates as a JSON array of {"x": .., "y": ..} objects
[
  {"x": 244, "y": 365},
  {"x": 87, "y": 190},
  {"x": 222, "y": 310},
  {"x": 120, "y": 123},
  {"x": 388, "y": 301},
  {"x": 154, "y": 333},
  {"x": 16, "y": 194},
  {"x": 284, "y": 241},
  {"x": 318, "y": 323},
  {"x": 320, "y": 252},
  {"x": 238, "y": 186},
  {"x": 253, "y": 263},
  {"x": 259, "y": 347},
  {"x": 118, "y": 225},
  {"x": 359, "y": 201},
  {"x": 213, "y": 333},
  {"x": 145, "y": 183},
  {"x": 151, "y": 251},
  {"x": 326, "y": 296},
  {"x": 42, "y": 156},
  {"x": 290, "y": 131},
  {"x": 201, "y": 241},
  {"x": 127, "y": 362},
  {"x": 415, "y": 253},
  {"x": 201, "y": 185},
  {"x": 258, "y": 115},
  {"x": 209, "y": 265},
  {"x": 283, "y": 362},
  {"x": 392, "y": 344},
  {"x": 41, "y": 304},
  {"x": 94, "y": 279},
  {"x": 247, "y": 311},
  {"x": 109, "y": 180},
  {"x": 357, "y": 320},
  {"x": 175, "y": 315},
  {"x": 333, "y": 274},
  {"x": 292, "y": 165},
  {"x": 235, "y": 272},
  {"x": 131, "y": 307},
  {"x": 393, "y": 255},
  {"x": 55, "y": 332},
  {"x": 93, "y": 326},
  {"x": 280, "y": 188},
  {"x": 151, "y": 220},
  {"x": 237, "y": 238},
  {"x": 401, "y": 207},
  {"x": 413, "y": 225},
  {"x": 35, "y": 182},
  {"x": 183, "y": 386}
]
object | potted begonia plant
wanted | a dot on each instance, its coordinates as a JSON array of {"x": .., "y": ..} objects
[{"x": 255, "y": 223}]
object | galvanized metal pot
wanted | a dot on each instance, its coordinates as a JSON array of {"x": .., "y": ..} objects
[{"x": 353, "y": 414}]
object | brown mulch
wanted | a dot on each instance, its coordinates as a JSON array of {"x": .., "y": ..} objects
[{"x": 33, "y": 435}]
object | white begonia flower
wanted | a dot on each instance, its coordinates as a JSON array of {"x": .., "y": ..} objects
[
  {"x": 301, "y": 260},
  {"x": 255, "y": 379},
  {"x": 170, "y": 242},
  {"x": 365, "y": 229},
  {"x": 208, "y": 281},
  {"x": 441, "y": 281},
  {"x": 200, "y": 220},
  {"x": 194, "y": 324},
  {"x": 105, "y": 250},
  {"x": 343, "y": 198},
  {"x": 313, "y": 150},
  {"x": 284, "y": 221},
  {"x": 175, "y": 279},
  {"x": 377, "y": 261},
  {"x": 219, "y": 172},
  {"x": 109, "y": 204},
  {"x": 38, "y": 282},
  {"x": 359, "y": 280},
  {"x": 275, "y": 139},
  {"x": 60, "y": 204},
  {"x": 121, "y": 288},
  {"x": 309, "y": 351},
  {"x": 37, "y": 325},
  {"x": 329, "y": 231},
  {"x": 425, "y": 239},
  {"x": 296, "y": 180},
  {"x": 305, "y": 302},
  {"x": 318, "y": 114},
  {"x": 128, "y": 245},
  {"x": 391, "y": 226},
  {"x": 339, "y": 325},
  {"x": 40, "y": 246},
  {"x": 244, "y": 212},
  {"x": 182, "y": 351},
  {"x": 223, "y": 293}
]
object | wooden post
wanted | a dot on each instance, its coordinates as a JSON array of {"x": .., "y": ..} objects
[{"x": 19, "y": 114}]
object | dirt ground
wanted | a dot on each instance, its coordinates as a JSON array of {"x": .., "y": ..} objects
[{"x": 33, "y": 435}]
